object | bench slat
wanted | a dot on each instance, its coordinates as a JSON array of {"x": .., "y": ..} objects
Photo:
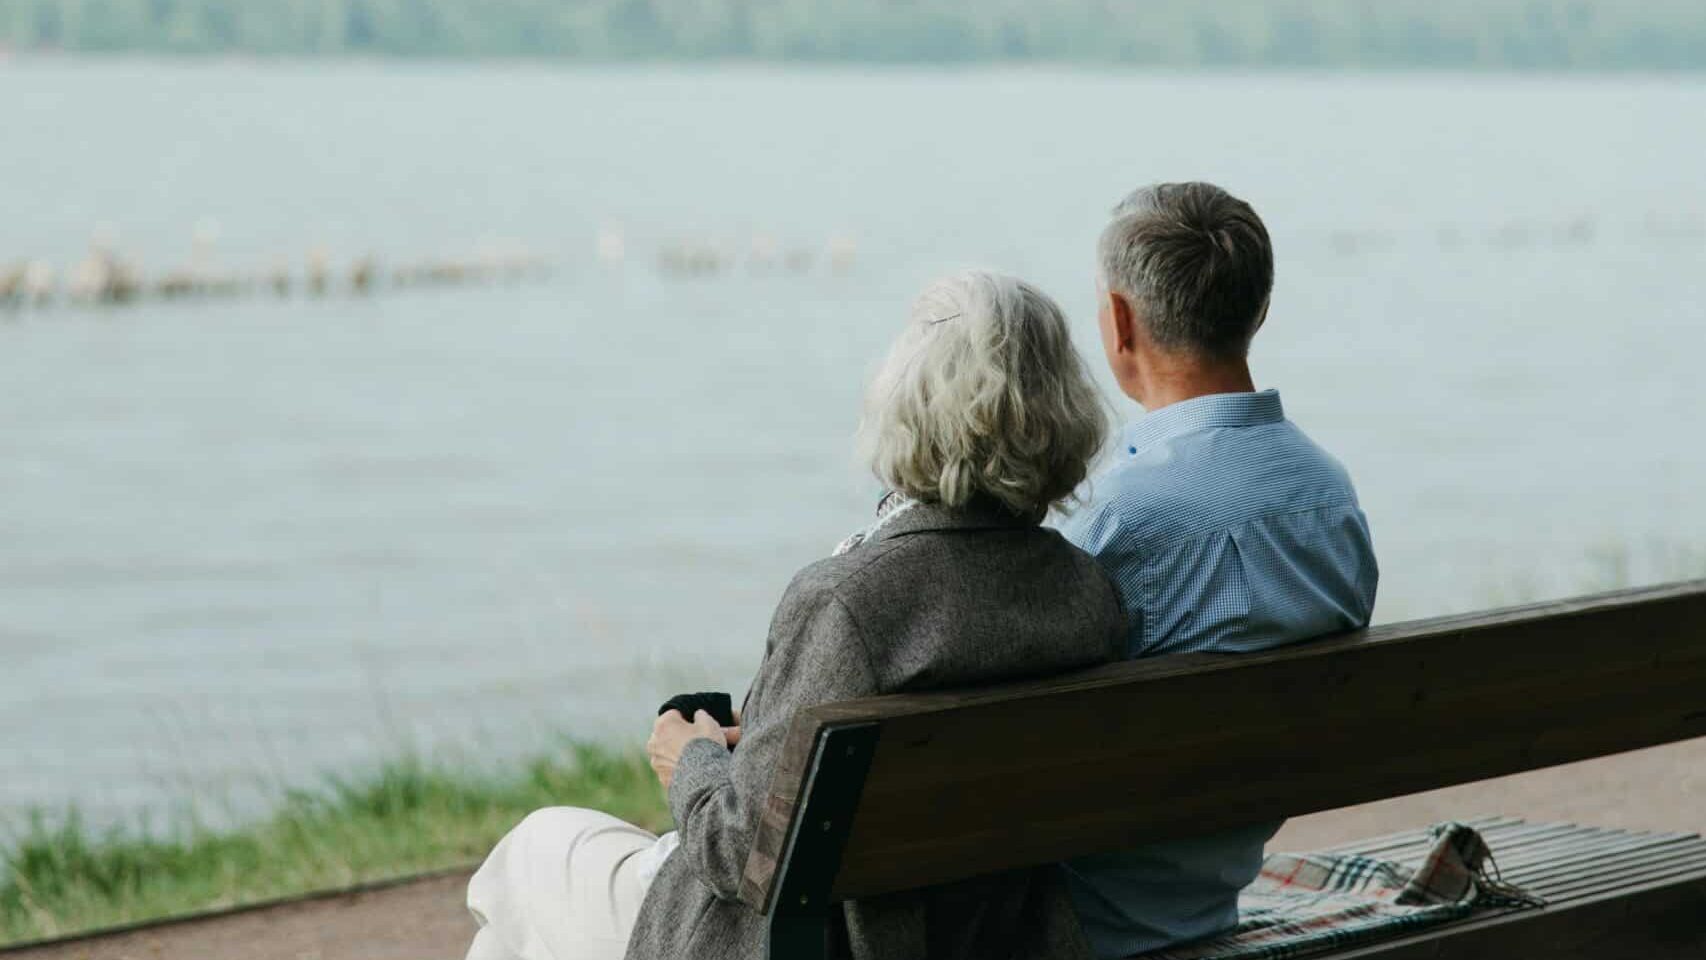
[{"x": 1646, "y": 902}]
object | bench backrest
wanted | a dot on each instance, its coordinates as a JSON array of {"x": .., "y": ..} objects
[{"x": 900, "y": 792}]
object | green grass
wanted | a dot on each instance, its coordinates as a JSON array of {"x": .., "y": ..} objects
[{"x": 58, "y": 876}]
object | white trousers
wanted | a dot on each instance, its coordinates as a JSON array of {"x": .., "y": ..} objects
[{"x": 565, "y": 884}]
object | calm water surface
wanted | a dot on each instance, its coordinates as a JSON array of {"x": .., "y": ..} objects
[{"x": 249, "y": 540}]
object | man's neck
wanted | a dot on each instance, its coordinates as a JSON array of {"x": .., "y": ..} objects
[{"x": 1174, "y": 381}]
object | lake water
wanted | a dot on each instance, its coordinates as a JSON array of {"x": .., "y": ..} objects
[{"x": 242, "y": 541}]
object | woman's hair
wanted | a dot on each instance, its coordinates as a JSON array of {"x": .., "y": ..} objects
[{"x": 983, "y": 393}]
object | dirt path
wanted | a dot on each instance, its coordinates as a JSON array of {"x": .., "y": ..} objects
[
  {"x": 1663, "y": 788},
  {"x": 420, "y": 920}
]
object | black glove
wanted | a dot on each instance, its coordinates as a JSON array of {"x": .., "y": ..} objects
[{"x": 718, "y": 705}]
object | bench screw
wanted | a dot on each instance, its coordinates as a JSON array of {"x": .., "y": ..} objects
[
  {"x": 826, "y": 826},
  {"x": 804, "y": 899}
]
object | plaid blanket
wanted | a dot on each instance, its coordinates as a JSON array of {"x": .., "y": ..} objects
[{"x": 1301, "y": 904}]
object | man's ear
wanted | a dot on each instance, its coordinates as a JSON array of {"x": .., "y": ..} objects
[
  {"x": 1263, "y": 316},
  {"x": 1125, "y": 322}
]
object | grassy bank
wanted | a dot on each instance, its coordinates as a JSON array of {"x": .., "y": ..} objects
[{"x": 57, "y": 876}]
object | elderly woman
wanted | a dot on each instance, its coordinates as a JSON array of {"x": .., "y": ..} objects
[{"x": 981, "y": 419}]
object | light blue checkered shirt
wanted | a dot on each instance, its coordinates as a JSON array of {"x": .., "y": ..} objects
[{"x": 1227, "y": 530}]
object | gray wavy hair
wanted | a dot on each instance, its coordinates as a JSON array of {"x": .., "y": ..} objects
[{"x": 983, "y": 393}]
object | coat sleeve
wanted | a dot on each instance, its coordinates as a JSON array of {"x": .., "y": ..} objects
[{"x": 815, "y": 656}]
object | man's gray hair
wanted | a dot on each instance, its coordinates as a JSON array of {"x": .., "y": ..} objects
[
  {"x": 983, "y": 394},
  {"x": 1195, "y": 262}
]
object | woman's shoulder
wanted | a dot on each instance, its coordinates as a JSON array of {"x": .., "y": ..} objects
[
  {"x": 948, "y": 590},
  {"x": 871, "y": 571},
  {"x": 832, "y": 576}
]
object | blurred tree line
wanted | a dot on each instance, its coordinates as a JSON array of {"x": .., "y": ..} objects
[{"x": 1540, "y": 34}]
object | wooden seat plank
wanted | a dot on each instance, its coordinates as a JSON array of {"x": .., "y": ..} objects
[
  {"x": 1627, "y": 854},
  {"x": 1658, "y": 921},
  {"x": 1620, "y": 894},
  {"x": 1487, "y": 825}
]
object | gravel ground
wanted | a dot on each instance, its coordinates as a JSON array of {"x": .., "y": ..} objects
[{"x": 1659, "y": 789}]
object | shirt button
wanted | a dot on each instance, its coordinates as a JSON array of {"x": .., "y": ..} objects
[{"x": 1132, "y": 451}]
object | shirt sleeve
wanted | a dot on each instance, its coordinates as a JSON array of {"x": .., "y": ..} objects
[
  {"x": 816, "y": 656},
  {"x": 1096, "y": 530}
]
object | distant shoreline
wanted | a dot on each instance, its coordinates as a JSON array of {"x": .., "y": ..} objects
[
  {"x": 14, "y": 58},
  {"x": 241, "y": 58},
  {"x": 1502, "y": 35}
]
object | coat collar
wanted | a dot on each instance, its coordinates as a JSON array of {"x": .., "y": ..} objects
[{"x": 982, "y": 513}]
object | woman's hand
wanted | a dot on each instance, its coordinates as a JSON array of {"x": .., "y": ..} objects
[{"x": 671, "y": 734}]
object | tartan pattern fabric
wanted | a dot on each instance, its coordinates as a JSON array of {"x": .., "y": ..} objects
[{"x": 1305, "y": 903}]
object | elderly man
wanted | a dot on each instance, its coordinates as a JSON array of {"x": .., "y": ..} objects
[{"x": 1226, "y": 528}]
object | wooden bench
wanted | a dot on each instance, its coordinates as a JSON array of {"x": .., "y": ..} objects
[{"x": 900, "y": 792}]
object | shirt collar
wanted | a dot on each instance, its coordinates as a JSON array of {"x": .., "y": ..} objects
[{"x": 1202, "y": 413}]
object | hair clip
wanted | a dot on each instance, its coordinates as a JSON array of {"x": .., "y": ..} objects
[{"x": 936, "y": 320}]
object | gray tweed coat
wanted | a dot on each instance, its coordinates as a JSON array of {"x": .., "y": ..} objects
[{"x": 934, "y": 598}]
